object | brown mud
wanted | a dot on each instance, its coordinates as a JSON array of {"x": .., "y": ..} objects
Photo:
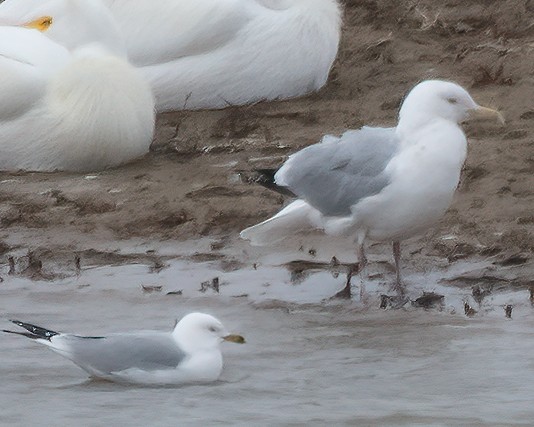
[{"x": 195, "y": 182}]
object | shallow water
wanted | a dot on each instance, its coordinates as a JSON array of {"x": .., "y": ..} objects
[{"x": 307, "y": 361}]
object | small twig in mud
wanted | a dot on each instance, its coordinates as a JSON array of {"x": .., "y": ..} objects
[
  {"x": 148, "y": 289},
  {"x": 346, "y": 292},
  {"x": 488, "y": 75},
  {"x": 77, "y": 264},
  {"x": 210, "y": 284},
  {"x": 216, "y": 246},
  {"x": 468, "y": 310},
  {"x": 499, "y": 47},
  {"x": 378, "y": 49},
  {"x": 187, "y": 99},
  {"x": 508, "y": 311},
  {"x": 298, "y": 276},
  {"x": 427, "y": 22},
  {"x": 11, "y": 262},
  {"x": 429, "y": 300},
  {"x": 531, "y": 297},
  {"x": 394, "y": 302},
  {"x": 479, "y": 294},
  {"x": 35, "y": 265},
  {"x": 158, "y": 266},
  {"x": 380, "y": 42},
  {"x": 179, "y": 292}
]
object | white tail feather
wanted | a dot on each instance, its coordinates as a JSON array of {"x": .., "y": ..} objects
[{"x": 294, "y": 218}]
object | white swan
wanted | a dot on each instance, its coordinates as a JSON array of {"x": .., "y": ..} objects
[
  {"x": 84, "y": 110},
  {"x": 75, "y": 22},
  {"x": 214, "y": 53}
]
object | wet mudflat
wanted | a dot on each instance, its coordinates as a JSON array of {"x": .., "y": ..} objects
[{"x": 308, "y": 360}]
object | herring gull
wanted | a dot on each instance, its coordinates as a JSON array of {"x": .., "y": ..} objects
[
  {"x": 188, "y": 354},
  {"x": 382, "y": 184}
]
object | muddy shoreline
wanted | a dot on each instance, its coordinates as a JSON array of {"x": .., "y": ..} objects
[{"x": 194, "y": 183}]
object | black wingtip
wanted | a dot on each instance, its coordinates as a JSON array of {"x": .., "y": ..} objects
[
  {"x": 34, "y": 331},
  {"x": 265, "y": 177},
  {"x": 24, "y": 334}
]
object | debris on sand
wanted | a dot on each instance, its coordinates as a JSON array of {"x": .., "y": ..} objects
[
  {"x": 210, "y": 284},
  {"x": 513, "y": 260},
  {"x": 11, "y": 261},
  {"x": 429, "y": 300},
  {"x": 77, "y": 264},
  {"x": 149, "y": 289},
  {"x": 479, "y": 293},
  {"x": 345, "y": 293},
  {"x": 158, "y": 266},
  {"x": 34, "y": 268},
  {"x": 468, "y": 310},
  {"x": 508, "y": 310},
  {"x": 178, "y": 293},
  {"x": 217, "y": 246},
  {"x": 394, "y": 302}
]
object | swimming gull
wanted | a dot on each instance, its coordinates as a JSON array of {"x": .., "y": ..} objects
[
  {"x": 188, "y": 354},
  {"x": 384, "y": 184}
]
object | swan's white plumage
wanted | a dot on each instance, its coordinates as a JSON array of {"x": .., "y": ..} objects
[
  {"x": 27, "y": 60},
  {"x": 214, "y": 53},
  {"x": 75, "y": 22},
  {"x": 79, "y": 111}
]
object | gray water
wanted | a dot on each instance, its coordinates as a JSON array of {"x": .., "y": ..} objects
[{"x": 307, "y": 361}]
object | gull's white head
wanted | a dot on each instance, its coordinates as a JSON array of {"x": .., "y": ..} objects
[
  {"x": 70, "y": 23},
  {"x": 441, "y": 99},
  {"x": 199, "y": 331}
]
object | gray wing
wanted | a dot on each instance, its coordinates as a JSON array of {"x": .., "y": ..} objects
[
  {"x": 115, "y": 353},
  {"x": 338, "y": 172}
]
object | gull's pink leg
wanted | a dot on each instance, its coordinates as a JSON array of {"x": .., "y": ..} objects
[
  {"x": 399, "y": 287},
  {"x": 362, "y": 263},
  {"x": 353, "y": 269}
]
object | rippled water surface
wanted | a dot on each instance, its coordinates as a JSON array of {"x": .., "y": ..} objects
[{"x": 307, "y": 361}]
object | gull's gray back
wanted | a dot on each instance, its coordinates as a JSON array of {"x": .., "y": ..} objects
[
  {"x": 338, "y": 172},
  {"x": 115, "y": 353}
]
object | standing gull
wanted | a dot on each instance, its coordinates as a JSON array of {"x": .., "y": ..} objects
[
  {"x": 384, "y": 184},
  {"x": 188, "y": 354}
]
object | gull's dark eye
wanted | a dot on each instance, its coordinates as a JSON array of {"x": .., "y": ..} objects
[
  {"x": 452, "y": 100},
  {"x": 213, "y": 329}
]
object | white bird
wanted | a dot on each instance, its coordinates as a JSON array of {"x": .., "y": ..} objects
[
  {"x": 84, "y": 110},
  {"x": 189, "y": 354},
  {"x": 75, "y": 22},
  {"x": 215, "y": 53},
  {"x": 382, "y": 184}
]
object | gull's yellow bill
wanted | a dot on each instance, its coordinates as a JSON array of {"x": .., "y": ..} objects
[
  {"x": 485, "y": 112},
  {"x": 234, "y": 338}
]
